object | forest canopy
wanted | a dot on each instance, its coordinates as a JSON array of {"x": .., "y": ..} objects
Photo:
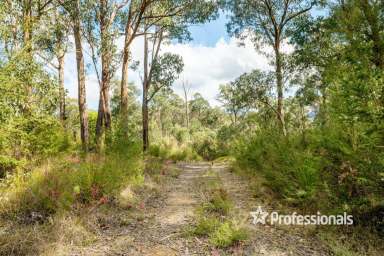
[{"x": 307, "y": 132}]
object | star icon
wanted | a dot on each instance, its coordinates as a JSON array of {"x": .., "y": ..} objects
[{"x": 259, "y": 216}]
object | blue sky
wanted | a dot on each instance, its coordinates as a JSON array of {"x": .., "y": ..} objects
[{"x": 208, "y": 34}]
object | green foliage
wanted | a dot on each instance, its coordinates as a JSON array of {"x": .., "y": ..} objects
[
  {"x": 221, "y": 234},
  {"x": 36, "y": 136},
  {"x": 247, "y": 92},
  {"x": 205, "y": 226},
  {"x": 7, "y": 165},
  {"x": 171, "y": 150},
  {"x": 213, "y": 216},
  {"x": 290, "y": 171},
  {"x": 331, "y": 159},
  {"x": 25, "y": 88},
  {"x": 218, "y": 202},
  {"x": 350, "y": 242},
  {"x": 153, "y": 166},
  {"x": 181, "y": 136},
  {"x": 92, "y": 119},
  {"x": 326, "y": 172},
  {"x": 261, "y": 20},
  {"x": 205, "y": 144},
  {"x": 228, "y": 234},
  {"x": 63, "y": 182},
  {"x": 166, "y": 69}
]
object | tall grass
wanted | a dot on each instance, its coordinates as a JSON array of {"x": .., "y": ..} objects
[
  {"x": 173, "y": 150},
  {"x": 63, "y": 183},
  {"x": 291, "y": 171}
]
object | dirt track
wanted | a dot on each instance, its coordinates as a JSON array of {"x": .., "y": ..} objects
[{"x": 161, "y": 228}]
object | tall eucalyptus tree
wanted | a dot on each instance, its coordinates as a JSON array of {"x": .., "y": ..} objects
[{"x": 268, "y": 22}]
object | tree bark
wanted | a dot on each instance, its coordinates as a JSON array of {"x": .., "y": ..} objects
[
  {"x": 280, "y": 88},
  {"x": 84, "y": 133},
  {"x": 99, "y": 121},
  {"x": 124, "y": 76},
  {"x": 186, "y": 106},
  {"x": 145, "y": 97},
  {"x": 131, "y": 28},
  {"x": 104, "y": 111},
  {"x": 148, "y": 73},
  {"x": 106, "y": 100},
  {"x": 105, "y": 63},
  {"x": 27, "y": 44},
  {"x": 61, "y": 87},
  {"x": 145, "y": 122}
]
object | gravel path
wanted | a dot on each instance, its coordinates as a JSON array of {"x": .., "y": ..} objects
[{"x": 160, "y": 230}]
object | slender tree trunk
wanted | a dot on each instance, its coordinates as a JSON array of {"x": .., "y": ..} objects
[
  {"x": 61, "y": 87},
  {"x": 105, "y": 91},
  {"x": 131, "y": 28},
  {"x": 161, "y": 123},
  {"x": 104, "y": 111},
  {"x": 145, "y": 97},
  {"x": 27, "y": 44},
  {"x": 303, "y": 126},
  {"x": 186, "y": 106},
  {"x": 99, "y": 121},
  {"x": 145, "y": 122},
  {"x": 280, "y": 88},
  {"x": 106, "y": 56},
  {"x": 323, "y": 115},
  {"x": 84, "y": 133},
  {"x": 124, "y": 76}
]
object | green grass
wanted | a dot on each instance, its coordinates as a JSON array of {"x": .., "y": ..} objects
[
  {"x": 352, "y": 241},
  {"x": 218, "y": 202},
  {"x": 214, "y": 219},
  {"x": 174, "y": 152},
  {"x": 173, "y": 172},
  {"x": 228, "y": 234},
  {"x": 63, "y": 183},
  {"x": 160, "y": 170},
  {"x": 220, "y": 233},
  {"x": 205, "y": 226}
]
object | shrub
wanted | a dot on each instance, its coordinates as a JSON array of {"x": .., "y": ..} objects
[
  {"x": 173, "y": 151},
  {"x": 206, "y": 226},
  {"x": 7, "y": 165},
  {"x": 205, "y": 144},
  {"x": 33, "y": 137},
  {"x": 212, "y": 217},
  {"x": 292, "y": 172},
  {"x": 153, "y": 166},
  {"x": 326, "y": 171},
  {"x": 228, "y": 234},
  {"x": 61, "y": 183},
  {"x": 218, "y": 202}
]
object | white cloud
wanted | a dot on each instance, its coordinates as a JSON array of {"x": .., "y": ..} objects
[{"x": 205, "y": 68}]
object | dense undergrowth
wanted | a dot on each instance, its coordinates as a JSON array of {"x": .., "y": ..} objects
[
  {"x": 320, "y": 172},
  {"x": 172, "y": 150},
  {"x": 59, "y": 178},
  {"x": 204, "y": 146},
  {"x": 325, "y": 173}
]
